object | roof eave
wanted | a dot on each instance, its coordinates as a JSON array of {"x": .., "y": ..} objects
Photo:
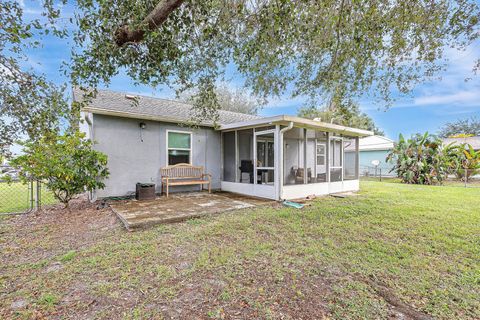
[
  {"x": 375, "y": 149},
  {"x": 298, "y": 122},
  {"x": 140, "y": 116}
]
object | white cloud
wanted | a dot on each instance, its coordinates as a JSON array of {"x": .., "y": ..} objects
[
  {"x": 451, "y": 91},
  {"x": 463, "y": 98},
  {"x": 285, "y": 102}
]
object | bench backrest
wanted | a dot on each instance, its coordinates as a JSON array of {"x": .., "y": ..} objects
[{"x": 181, "y": 171}]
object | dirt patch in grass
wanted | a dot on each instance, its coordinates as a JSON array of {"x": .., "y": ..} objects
[
  {"x": 55, "y": 228},
  {"x": 395, "y": 303},
  {"x": 262, "y": 263}
]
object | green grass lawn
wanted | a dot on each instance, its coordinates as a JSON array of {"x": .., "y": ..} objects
[
  {"x": 348, "y": 258},
  {"x": 15, "y": 197}
]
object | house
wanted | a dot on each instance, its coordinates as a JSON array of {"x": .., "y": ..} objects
[
  {"x": 473, "y": 141},
  {"x": 373, "y": 149},
  {"x": 279, "y": 157}
]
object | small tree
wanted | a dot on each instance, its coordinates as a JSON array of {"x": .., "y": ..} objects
[
  {"x": 461, "y": 128},
  {"x": 345, "y": 113},
  {"x": 236, "y": 100},
  {"x": 66, "y": 163},
  {"x": 421, "y": 160}
]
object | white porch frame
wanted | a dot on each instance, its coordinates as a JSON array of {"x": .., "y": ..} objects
[{"x": 279, "y": 191}]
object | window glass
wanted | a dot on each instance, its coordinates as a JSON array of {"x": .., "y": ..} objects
[
  {"x": 178, "y": 140},
  {"x": 178, "y": 156},
  {"x": 179, "y": 147},
  {"x": 320, "y": 154}
]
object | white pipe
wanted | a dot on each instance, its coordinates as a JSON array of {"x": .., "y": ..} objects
[
  {"x": 92, "y": 195},
  {"x": 87, "y": 118},
  {"x": 282, "y": 131}
]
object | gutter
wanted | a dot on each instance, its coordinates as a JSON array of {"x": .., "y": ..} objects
[
  {"x": 280, "y": 167},
  {"x": 87, "y": 119},
  {"x": 140, "y": 116}
]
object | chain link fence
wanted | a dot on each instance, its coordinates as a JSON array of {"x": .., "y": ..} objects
[
  {"x": 465, "y": 178},
  {"x": 17, "y": 197},
  {"x": 376, "y": 173}
]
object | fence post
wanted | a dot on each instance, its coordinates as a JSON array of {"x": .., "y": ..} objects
[
  {"x": 32, "y": 196},
  {"x": 37, "y": 197},
  {"x": 380, "y": 174},
  {"x": 466, "y": 177}
]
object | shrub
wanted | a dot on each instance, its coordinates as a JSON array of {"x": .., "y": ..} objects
[
  {"x": 421, "y": 160},
  {"x": 66, "y": 163},
  {"x": 465, "y": 161}
]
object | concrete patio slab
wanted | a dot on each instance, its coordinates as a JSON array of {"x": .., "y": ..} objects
[{"x": 179, "y": 207}]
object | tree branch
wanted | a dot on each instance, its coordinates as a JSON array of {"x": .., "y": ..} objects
[{"x": 154, "y": 19}]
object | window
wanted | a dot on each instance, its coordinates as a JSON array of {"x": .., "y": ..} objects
[
  {"x": 320, "y": 154},
  {"x": 179, "y": 147}
]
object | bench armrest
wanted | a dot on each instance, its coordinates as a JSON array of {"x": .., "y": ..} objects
[{"x": 207, "y": 175}]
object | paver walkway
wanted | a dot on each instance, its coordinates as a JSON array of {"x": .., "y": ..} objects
[{"x": 178, "y": 207}]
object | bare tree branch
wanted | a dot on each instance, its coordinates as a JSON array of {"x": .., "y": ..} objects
[{"x": 154, "y": 19}]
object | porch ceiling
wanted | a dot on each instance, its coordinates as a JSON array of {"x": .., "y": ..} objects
[{"x": 297, "y": 122}]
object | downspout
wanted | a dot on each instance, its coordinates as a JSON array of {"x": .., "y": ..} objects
[
  {"x": 282, "y": 131},
  {"x": 93, "y": 195}
]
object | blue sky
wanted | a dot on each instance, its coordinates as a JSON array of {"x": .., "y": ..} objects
[{"x": 430, "y": 105}]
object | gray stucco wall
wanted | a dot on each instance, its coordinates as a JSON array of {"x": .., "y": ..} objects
[{"x": 130, "y": 160}]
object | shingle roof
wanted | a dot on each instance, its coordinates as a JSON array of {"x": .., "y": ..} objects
[
  {"x": 373, "y": 143},
  {"x": 166, "y": 110},
  {"x": 473, "y": 141}
]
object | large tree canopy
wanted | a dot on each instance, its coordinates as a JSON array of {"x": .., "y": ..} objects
[
  {"x": 301, "y": 48},
  {"x": 30, "y": 104},
  {"x": 309, "y": 48}
]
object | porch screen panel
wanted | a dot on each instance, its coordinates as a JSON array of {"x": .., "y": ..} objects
[
  {"x": 350, "y": 165},
  {"x": 293, "y": 154},
  {"x": 310, "y": 156},
  {"x": 265, "y": 158},
  {"x": 321, "y": 157},
  {"x": 336, "y": 159},
  {"x": 229, "y": 156},
  {"x": 245, "y": 156}
]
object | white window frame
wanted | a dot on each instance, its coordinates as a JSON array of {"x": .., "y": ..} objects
[
  {"x": 183, "y": 149},
  {"x": 324, "y": 154}
]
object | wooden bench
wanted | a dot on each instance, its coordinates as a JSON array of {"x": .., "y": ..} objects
[{"x": 183, "y": 174}]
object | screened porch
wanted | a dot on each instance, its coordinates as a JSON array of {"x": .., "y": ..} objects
[{"x": 289, "y": 160}]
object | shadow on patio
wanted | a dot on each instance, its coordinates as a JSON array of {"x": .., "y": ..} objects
[{"x": 179, "y": 207}]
